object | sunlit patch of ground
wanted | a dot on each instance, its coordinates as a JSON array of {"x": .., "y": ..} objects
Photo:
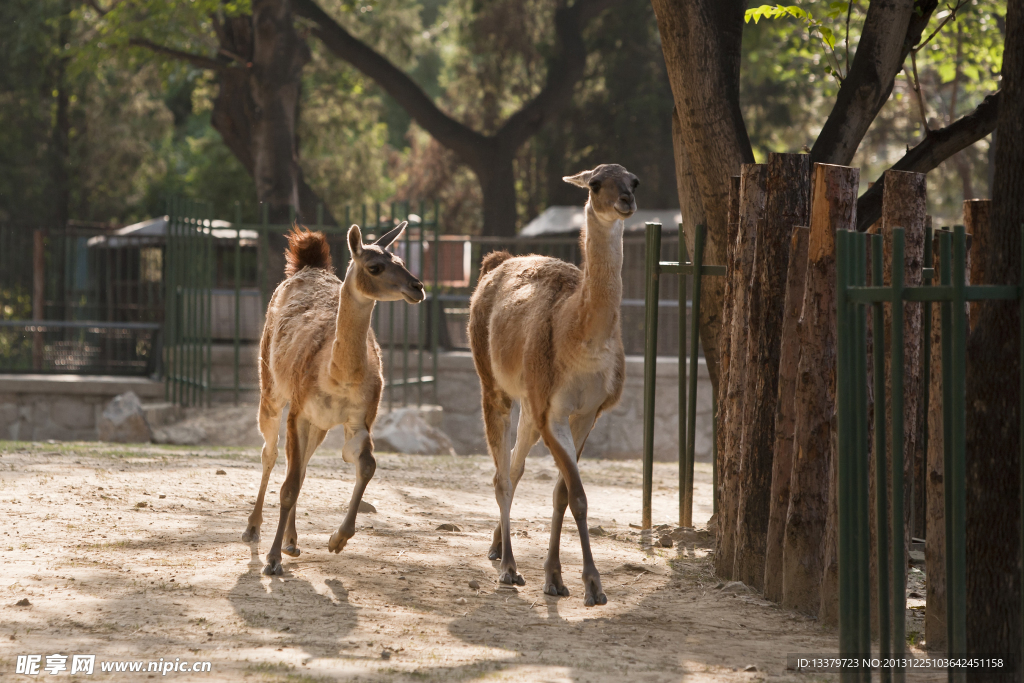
[{"x": 134, "y": 553}]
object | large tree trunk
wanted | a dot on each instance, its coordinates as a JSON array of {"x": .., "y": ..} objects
[
  {"x": 785, "y": 414},
  {"x": 993, "y": 392},
  {"x": 703, "y": 37},
  {"x": 753, "y": 194},
  {"x": 833, "y": 208},
  {"x": 787, "y": 206}
]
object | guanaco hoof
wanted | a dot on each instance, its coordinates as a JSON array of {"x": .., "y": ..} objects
[
  {"x": 337, "y": 542},
  {"x": 512, "y": 578},
  {"x": 590, "y": 600},
  {"x": 495, "y": 552},
  {"x": 291, "y": 551},
  {"x": 251, "y": 535},
  {"x": 273, "y": 568},
  {"x": 556, "y": 591}
]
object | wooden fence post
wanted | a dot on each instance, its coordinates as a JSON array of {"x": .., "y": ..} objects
[
  {"x": 753, "y": 180},
  {"x": 785, "y": 414},
  {"x": 724, "y": 340},
  {"x": 808, "y": 518},
  {"x": 903, "y": 206},
  {"x": 786, "y": 206}
]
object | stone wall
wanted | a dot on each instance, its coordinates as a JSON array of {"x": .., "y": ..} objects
[
  {"x": 67, "y": 407},
  {"x": 62, "y": 407},
  {"x": 617, "y": 434}
]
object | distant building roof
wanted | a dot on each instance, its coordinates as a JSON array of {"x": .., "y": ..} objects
[
  {"x": 157, "y": 227},
  {"x": 559, "y": 220}
]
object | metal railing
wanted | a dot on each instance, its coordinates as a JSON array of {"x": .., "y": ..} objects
[
  {"x": 687, "y": 349},
  {"x": 79, "y": 300},
  {"x": 855, "y": 298},
  {"x": 220, "y": 277}
]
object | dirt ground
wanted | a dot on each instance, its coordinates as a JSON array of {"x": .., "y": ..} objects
[{"x": 134, "y": 553}]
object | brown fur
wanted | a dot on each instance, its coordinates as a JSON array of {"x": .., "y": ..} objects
[
  {"x": 493, "y": 260},
  {"x": 306, "y": 250},
  {"x": 548, "y": 334},
  {"x": 319, "y": 355}
]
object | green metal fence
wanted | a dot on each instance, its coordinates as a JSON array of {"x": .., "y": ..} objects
[
  {"x": 688, "y": 349},
  {"x": 79, "y": 300},
  {"x": 220, "y": 276},
  {"x": 854, "y": 299}
]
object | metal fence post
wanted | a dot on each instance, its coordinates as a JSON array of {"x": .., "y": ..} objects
[
  {"x": 881, "y": 479},
  {"x": 899, "y": 562},
  {"x": 652, "y": 257},
  {"x": 682, "y": 386},
  {"x": 957, "y": 594}
]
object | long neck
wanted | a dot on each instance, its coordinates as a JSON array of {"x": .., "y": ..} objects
[
  {"x": 348, "y": 354},
  {"x": 601, "y": 291}
]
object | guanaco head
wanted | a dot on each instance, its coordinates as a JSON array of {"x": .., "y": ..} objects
[
  {"x": 611, "y": 190},
  {"x": 378, "y": 273}
]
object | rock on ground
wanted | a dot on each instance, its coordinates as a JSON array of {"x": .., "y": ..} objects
[
  {"x": 405, "y": 430},
  {"x": 124, "y": 421}
]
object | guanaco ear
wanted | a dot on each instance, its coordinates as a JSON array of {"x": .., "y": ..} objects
[
  {"x": 581, "y": 179},
  {"x": 355, "y": 241},
  {"x": 387, "y": 238}
]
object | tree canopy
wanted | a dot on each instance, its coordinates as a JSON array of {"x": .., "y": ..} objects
[{"x": 112, "y": 105}]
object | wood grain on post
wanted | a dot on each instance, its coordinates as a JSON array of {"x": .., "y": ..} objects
[
  {"x": 753, "y": 194},
  {"x": 787, "y": 206},
  {"x": 935, "y": 539},
  {"x": 785, "y": 413},
  {"x": 834, "y": 208},
  {"x": 724, "y": 341},
  {"x": 904, "y": 205}
]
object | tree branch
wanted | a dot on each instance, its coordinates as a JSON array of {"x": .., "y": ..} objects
[
  {"x": 938, "y": 146},
  {"x": 565, "y": 69},
  {"x": 461, "y": 139},
  {"x": 891, "y": 30},
  {"x": 194, "y": 59}
]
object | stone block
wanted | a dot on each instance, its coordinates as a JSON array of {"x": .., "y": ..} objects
[{"x": 124, "y": 421}]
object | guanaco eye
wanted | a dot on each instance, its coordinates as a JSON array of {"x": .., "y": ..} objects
[
  {"x": 375, "y": 269},
  {"x": 595, "y": 186}
]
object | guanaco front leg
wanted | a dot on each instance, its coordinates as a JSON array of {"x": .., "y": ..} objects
[
  {"x": 566, "y": 444},
  {"x": 358, "y": 449}
]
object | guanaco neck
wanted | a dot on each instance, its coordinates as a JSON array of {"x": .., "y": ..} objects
[
  {"x": 600, "y": 295},
  {"x": 348, "y": 354}
]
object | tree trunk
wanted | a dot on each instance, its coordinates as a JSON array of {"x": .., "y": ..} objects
[
  {"x": 834, "y": 208},
  {"x": 904, "y": 205},
  {"x": 993, "y": 391},
  {"x": 787, "y": 206},
  {"x": 498, "y": 183},
  {"x": 753, "y": 194},
  {"x": 704, "y": 38},
  {"x": 785, "y": 414}
]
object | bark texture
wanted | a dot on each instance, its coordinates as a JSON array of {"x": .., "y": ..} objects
[
  {"x": 935, "y": 540},
  {"x": 724, "y": 350},
  {"x": 753, "y": 195},
  {"x": 787, "y": 206},
  {"x": 977, "y": 222},
  {"x": 993, "y": 390},
  {"x": 703, "y": 37},
  {"x": 834, "y": 208},
  {"x": 785, "y": 413}
]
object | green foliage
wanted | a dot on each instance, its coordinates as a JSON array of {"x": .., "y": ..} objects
[{"x": 825, "y": 34}]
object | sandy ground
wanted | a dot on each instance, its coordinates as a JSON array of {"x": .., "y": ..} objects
[{"x": 134, "y": 553}]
